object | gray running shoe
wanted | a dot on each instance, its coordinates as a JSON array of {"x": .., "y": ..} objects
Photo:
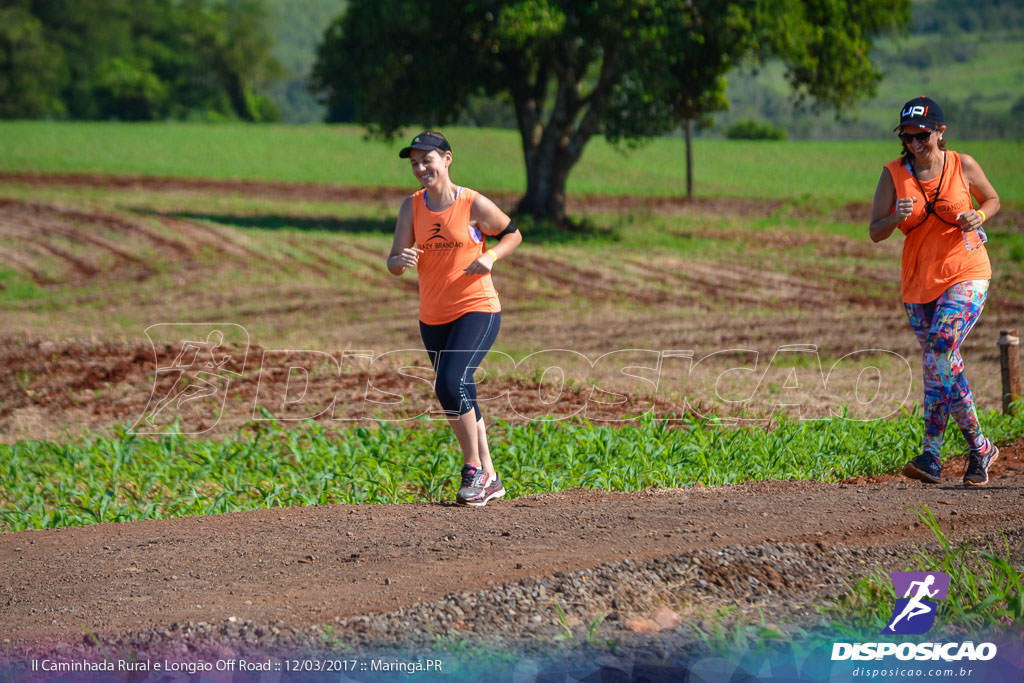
[
  {"x": 476, "y": 489},
  {"x": 978, "y": 464},
  {"x": 924, "y": 468},
  {"x": 470, "y": 486}
]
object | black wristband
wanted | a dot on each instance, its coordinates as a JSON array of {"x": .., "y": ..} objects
[{"x": 509, "y": 229}]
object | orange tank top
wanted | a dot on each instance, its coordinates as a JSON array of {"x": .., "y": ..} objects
[
  {"x": 449, "y": 245},
  {"x": 935, "y": 250}
]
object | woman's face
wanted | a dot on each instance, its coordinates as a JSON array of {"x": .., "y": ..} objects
[
  {"x": 921, "y": 142},
  {"x": 429, "y": 166}
]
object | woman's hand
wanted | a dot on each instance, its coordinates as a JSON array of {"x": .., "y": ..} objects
[
  {"x": 905, "y": 207},
  {"x": 406, "y": 258},
  {"x": 482, "y": 265},
  {"x": 969, "y": 220}
]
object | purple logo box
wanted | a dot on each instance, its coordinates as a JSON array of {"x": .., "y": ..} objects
[{"x": 901, "y": 581}]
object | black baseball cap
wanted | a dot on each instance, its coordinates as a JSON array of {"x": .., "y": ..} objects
[
  {"x": 426, "y": 142},
  {"x": 921, "y": 112}
]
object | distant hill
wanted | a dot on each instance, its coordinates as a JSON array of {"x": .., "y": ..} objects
[
  {"x": 298, "y": 27},
  {"x": 968, "y": 56}
]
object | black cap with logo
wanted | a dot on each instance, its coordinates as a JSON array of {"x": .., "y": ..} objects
[
  {"x": 921, "y": 112},
  {"x": 426, "y": 142}
]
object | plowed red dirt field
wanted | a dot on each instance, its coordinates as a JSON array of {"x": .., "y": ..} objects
[{"x": 376, "y": 574}]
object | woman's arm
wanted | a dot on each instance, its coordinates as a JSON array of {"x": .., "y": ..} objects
[
  {"x": 403, "y": 254},
  {"x": 981, "y": 189},
  {"x": 492, "y": 221},
  {"x": 883, "y": 219}
]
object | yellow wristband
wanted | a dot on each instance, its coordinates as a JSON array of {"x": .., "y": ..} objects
[
  {"x": 982, "y": 214},
  {"x": 492, "y": 254}
]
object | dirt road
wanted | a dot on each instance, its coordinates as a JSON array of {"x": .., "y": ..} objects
[{"x": 296, "y": 568}]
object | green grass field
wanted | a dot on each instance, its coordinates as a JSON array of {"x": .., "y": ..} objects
[
  {"x": 127, "y": 478},
  {"x": 488, "y": 159},
  {"x": 766, "y": 273}
]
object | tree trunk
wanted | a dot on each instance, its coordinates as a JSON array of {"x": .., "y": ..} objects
[
  {"x": 236, "y": 91},
  {"x": 551, "y": 148},
  {"x": 546, "y": 177}
]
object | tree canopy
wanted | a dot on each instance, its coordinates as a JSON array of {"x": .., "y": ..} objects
[
  {"x": 628, "y": 69},
  {"x": 134, "y": 59}
]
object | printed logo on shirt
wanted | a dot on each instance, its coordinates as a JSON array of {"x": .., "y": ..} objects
[
  {"x": 438, "y": 242},
  {"x": 435, "y": 232}
]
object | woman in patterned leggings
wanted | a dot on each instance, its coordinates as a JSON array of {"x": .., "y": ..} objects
[{"x": 927, "y": 193}]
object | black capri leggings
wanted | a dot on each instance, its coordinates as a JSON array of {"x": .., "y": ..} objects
[{"x": 456, "y": 350}]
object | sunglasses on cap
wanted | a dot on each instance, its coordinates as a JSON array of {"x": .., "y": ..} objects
[{"x": 920, "y": 137}]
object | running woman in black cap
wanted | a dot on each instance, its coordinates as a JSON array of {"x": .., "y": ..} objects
[
  {"x": 441, "y": 231},
  {"x": 926, "y": 193}
]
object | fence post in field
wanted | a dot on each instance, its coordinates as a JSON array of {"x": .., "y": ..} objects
[
  {"x": 1009, "y": 363},
  {"x": 689, "y": 158}
]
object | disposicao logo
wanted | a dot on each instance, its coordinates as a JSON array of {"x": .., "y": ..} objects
[
  {"x": 914, "y": 612},
  {"x": 917, "y": 594}
]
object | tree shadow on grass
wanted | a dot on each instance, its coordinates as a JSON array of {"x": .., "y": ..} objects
[
  {"x": 358, "y": 224},
  {"x": 574, "y": 232}
]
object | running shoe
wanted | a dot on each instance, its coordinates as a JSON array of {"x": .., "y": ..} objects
[
  {"x": 924, "y": 468},
  {"x": 477, "y": 488},
  {"x": 469, "y": 486},
  {"x": 978, "y": 464}
]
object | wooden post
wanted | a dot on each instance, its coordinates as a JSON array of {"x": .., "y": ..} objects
[
  {"x": 1009, "y": 364},
  {"x": 689, "y": 158}
]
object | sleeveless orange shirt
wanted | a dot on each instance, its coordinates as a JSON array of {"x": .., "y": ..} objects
[
  {"x": 935, "y": 254},
  {"x": 449, "y": 245}
]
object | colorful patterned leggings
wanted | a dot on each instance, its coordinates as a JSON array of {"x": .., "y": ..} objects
[{"x": 941, "y": 327}]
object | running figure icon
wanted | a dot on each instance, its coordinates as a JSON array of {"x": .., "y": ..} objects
[
  {"x": 915, "y": 607},
  {"x": 919, "y": 591}
]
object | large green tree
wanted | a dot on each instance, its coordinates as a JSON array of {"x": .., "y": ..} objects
[
  {"x": 628, "y": 69},
  {"x": 31, "y": 72},
  {"x": 134, "y": 59}
]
